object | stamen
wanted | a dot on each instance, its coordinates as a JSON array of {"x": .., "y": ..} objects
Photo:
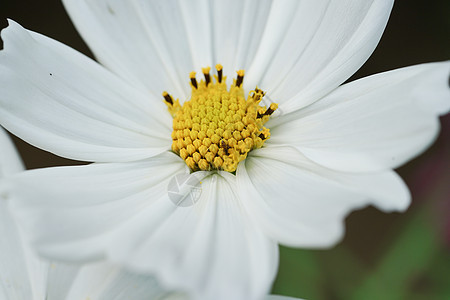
[
  {"x": 219, "y": 69},
  {"x": 206, "y": 74},
  {"x": 217, "y": 127},
  {"x": 193, "y": 80},
  {"x": 269, "y": 111},
  {"x": 167, "y": 97},
  {"x": 258, "y": 91},
  {"x": 240, "y": 77}
]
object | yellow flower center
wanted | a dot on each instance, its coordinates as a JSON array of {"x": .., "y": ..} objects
[{"x": 217, "y": 127}]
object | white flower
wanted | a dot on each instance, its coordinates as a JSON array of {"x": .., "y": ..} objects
[
  {"x": 23, "y": 276},
  {"x": 331, "y": 148}
]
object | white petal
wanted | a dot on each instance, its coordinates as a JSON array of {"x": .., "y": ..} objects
[
  {"x": 238, "y": 28},
  {"x": 104, "y": 281},
  {"x": 24, "y": 276},
  {"x": 152, "y": 44},
  {"x": 123, "y": 211},
  {"x": 68, "y": 207},
  {"x": 60, "y": 278},
  {"x": 300, "y": 203},
  {"x": 65, "y": 103},
  {"x": 210, "y": 249},
  {"x": 374, "y": 123},
  {"x": 314, "y": 47},
  {"x": 155, "y": 44},
  {"x": 10, "y": 161},
  {"x": 14, "y": 280}
]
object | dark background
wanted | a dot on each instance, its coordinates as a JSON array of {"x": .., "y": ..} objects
[{"x": 389, "y": 256}]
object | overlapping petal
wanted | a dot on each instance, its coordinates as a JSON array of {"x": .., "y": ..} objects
[
  {"x": 211, "y": 249},
  {"x": 300, "y": 203},
  {"x": 84, "y": 205},
  {"x": 311, "y": 50},
  {"x": 24, "y": 276},
  {"x": 375, "y": 123},
  {"x": 63, "y": 102},
  {"x": 103, "y": 281},
  {"x": 122, "y": 211},
  {"x": 155, "y": 44},
  {"x": 14, "y": 279},
  {"x": 290, "y": 48},
  {"x": 10, "y": 161}
]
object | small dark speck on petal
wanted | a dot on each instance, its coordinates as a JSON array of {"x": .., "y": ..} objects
[
  {"x": 51, "y": 74},
  {"x": 110, "y": 10}
]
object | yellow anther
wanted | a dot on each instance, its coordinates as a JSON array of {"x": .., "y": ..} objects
[
  {"x": 196, "y": 156},
  {"x": 203, "y": 165},
  {"x": 184, "y": 153},
  {"x": 240, "y": 78},
  {"x": 214, "y": 148},
  {"x": 206, "y": 74},
  {"x": 219, "y": 69},
  {"x": 215, "y": 139},
  {"x": 193, "y": 134},
  {"x": 190, "y": 162},
  {"x": 202, "y": 150},
  {"x": 207, "y": 142},
  {"x": 173, "y": 106},
  {"x": 193, "y": 79},
  {"x": 197, "y": 143},
  {"x": 206, "y": 70},
  {"x": 218, "y": 162},
  {"x": 209, "y": 157},
  {"x": 190, "y": 149},
  {"x": 217, "y": 127}
]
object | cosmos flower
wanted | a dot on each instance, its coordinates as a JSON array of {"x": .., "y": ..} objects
[
  {"x": 279, "y": 154},
  {"x": 24, "y": 276}
]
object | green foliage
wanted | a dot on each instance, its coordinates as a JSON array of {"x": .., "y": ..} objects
[{"x": 411, "y": 264}]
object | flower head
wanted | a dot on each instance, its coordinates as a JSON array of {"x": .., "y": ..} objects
[{"x": 319, "y": 152}]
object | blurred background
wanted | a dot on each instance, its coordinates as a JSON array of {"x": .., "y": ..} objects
[{"x": 383, "y": 256}]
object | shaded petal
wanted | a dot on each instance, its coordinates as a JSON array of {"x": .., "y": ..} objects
[
  {"x": 103, "y": 281},
  {"x": 151, "y": 44},
  {"x": 374, "y": 123},
  {"x": 238, "y": 27},
  {"x": 123, "y": 211},
  {"x": 314, "y": 47},
  {"x": 210, "y": 249},
  {"x": 155, "y": 44},
  {"x": 65, "y": 207},
  {"x": 65, "y": 103},
  {"x": 10, "y": 161},
  {"x": 23, "y": 276},
  {"x": 281, "y": 43},
  {"x": 300, "y": 203},
  {"x": 14, "y": 280}
]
